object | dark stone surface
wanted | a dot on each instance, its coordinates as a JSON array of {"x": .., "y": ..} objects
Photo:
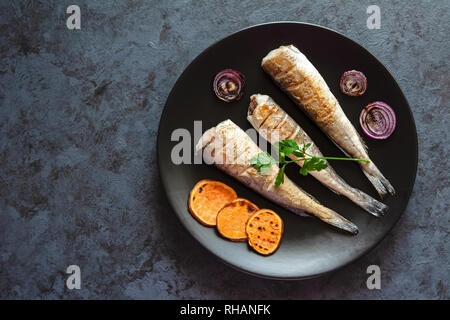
[{"x": 78, "y": 123}]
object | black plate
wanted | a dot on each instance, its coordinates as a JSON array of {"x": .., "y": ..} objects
[{"x": 309, "y": 247}]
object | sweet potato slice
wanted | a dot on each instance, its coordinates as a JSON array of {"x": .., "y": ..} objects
[
  {"x": 207, "y": 198},
  {"x": 264, "y": 231},
  {"x": 232, "y": 219}
]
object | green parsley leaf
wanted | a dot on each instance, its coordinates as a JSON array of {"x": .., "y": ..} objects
[
  {"x": 263, "y": 162},
  {"x": 312, "y": 164},
  {"x": 280, "y": 176},
  {"x": 286, "y": 147}
]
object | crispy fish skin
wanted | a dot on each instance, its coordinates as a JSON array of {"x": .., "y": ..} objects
[
  {"x": 230, "y": 149},
  {"x": 274, "y": 124},
  {"x": 295, "y": 75}
]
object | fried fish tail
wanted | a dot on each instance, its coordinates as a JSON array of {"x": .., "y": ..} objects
[
  {"x": 379, "y": 182},
  {"x": 368, "y": 203},
  {"x": 289, "y": 191}
]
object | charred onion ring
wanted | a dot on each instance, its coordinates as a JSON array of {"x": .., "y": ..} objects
[
  {"x": 378, "y": 120},
  {"x": 353, "y": 83},
  {"x": 229, "y": 85}
]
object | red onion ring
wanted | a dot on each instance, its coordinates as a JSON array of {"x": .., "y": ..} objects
[
  {"x": 353, "y": 83},
  {"x": 378, "y": 120},
  {"x": 229, "y": 85}
]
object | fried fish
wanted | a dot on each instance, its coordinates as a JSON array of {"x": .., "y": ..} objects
[
  {"x": 230, "y": 149},
  {"x": 296, "y": 75}
]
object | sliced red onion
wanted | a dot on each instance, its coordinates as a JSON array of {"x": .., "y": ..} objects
[
  {"x": 229, "y": 85},
  {"x": 353, "y": 83},
  {"x": 378, "y": 120}
]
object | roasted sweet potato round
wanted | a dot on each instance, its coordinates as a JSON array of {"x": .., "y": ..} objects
[
  {"x": 232, "y": 219},
  {"x": 207, "y": 198},
  {"x": 264, "y": 231}
]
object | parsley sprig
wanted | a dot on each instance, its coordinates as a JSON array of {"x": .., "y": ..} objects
[{"x": 264, "y": 161}]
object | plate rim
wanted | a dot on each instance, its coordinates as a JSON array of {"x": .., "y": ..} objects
[{"x": 261, "y": 275}]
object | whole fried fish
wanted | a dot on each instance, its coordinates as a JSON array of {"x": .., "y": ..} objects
[
  {"x": 295, "y": 75},
  {"x": 274, "y": 124},
  {"x": 229, "y": 148}
]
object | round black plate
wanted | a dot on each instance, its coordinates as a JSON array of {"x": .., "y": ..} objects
[{"x": 309, "y": 247}]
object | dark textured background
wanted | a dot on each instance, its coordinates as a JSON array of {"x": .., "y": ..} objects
[{"x": 78, "y": 124}]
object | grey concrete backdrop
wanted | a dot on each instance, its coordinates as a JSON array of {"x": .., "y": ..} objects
[{"x": 78, "y": 122}]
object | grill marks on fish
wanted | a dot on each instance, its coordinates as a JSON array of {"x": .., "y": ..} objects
[
  {"x": 296, "y": 75},
  {"x": 305, "y": 88},
  {"x": 328, "y": 176},
  {"x": 287, "y": 195}
]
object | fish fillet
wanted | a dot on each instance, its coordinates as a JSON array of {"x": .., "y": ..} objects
[
  {"x": 295, "y": 75},
  {"x": 230, "y": 149},
  {"x": 274, "y": 124}
]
